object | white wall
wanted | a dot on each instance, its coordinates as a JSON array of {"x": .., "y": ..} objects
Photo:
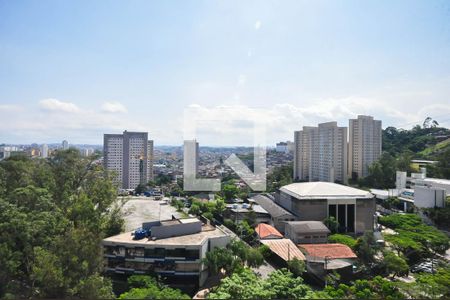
[{"x": 429, "y": 197}]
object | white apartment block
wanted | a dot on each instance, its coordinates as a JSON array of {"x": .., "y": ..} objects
[
  {"x": 130, "y": 157},
  {"x": 364, "y": 145},
  {"x": 44, "y": 151},
  {"x": 321, "y": 153},
  {"x": 191, "y": 158},
  {"x": 65, "y": 145}
]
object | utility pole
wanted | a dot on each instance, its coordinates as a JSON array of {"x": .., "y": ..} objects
[{"x": 289, "y": 252}]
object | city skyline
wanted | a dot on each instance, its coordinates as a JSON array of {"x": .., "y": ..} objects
[{"x": 75, "y": 71}]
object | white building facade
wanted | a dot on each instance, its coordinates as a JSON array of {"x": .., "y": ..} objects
[{"x": 44, "y": 151}]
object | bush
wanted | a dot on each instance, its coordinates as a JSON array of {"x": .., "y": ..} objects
[
  {"x": 332, "y": 224},
  {"x": 229, "y": 223},
  {"x": 264, "y": 250},
  {"x": 342, "y": 239},
  {"x": 296, "y": 266}
]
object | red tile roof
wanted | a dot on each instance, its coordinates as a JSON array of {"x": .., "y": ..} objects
[
  {"x": 265, "y": 231},
  {"x": 331, "y": 251}
]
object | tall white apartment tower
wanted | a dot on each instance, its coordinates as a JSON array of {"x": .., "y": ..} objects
[
  {"x": 44, "y": 151},
  {"x": 191, "y": 155},
  {"x": 321, "y": 153},
  {"x": 130, "y": 157},
  {"x": 65, "y": 145},
  {"x": 364, "y": 145}
]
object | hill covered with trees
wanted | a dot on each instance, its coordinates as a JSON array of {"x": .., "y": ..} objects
[{"x": 401, "y": 146}]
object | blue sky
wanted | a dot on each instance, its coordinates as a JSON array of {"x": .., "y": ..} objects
[{"x": 75, "y": 70}]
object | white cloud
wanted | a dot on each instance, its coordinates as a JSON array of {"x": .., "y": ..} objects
[
  {"x": 114, "y": 107},
  {"x": 57, "y": 105},
  {"x": 10, "y": 108},
  {"x": 242, "y": 79},
  {"x": 258, "y": 24},
  {"x": 281, "y": 120}
]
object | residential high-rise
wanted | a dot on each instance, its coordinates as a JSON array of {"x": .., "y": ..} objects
[
  {"x": 364, "y": 145},
  {"x": 130, "y": 157},
  {"x": 320, "y": 153},
  {"x": 191, "y": 161},
  {"x": 44, "y": 151},
  {"x": 65, "y": 145},
  {"x": 87, "y": 151}
]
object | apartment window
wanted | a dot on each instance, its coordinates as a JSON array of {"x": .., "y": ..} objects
[
  {"x": 192, "y": 254},
  {"x": 177, "y": 252},
  {"x": 155, "y": 252}
]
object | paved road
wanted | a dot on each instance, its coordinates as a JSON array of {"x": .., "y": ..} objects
[{"x": 144, "y": 209}]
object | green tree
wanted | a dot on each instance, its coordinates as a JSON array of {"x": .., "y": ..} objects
[
  {"x": 264, "y": 250},
  {"x": 254, "y": 258},
  {"x": 395, "y": 265},
  {"x": 94, "y": 287},
  {"x": 146, "y": 287},
  {"x": 296, "y": 266},
  {"x": 221, "y": 258},
  {"x": 141, "y": 188},
  {"x": 245, "y": 284},
  {"x": 54, "y": 215},
  {"x": 377, "y": 288},
  {"x": 282, "y": 284},
  {"x": 47, "y": 274},
  {"x": 332, "y": 224},
  {"x": 195, "y": 209},
  {"x": 366, "y": 247},
  {"x": 414, "y": 238},
  {"x": 229, "y": 191},
  {"x": 242, "y": 285},
  {"x": 246, "y": 232}
]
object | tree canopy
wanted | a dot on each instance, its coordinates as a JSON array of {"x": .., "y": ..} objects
[
  {"x": 414, "y": 238},
  {"x": 281, "y": 284},
  {"x": 54, "y": 213},
  {"x": 146, "y": 287}
]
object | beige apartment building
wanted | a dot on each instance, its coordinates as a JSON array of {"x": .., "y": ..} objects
[
  {"x": 364, "y": 145},
  {"x": 321, "y": 153},
  {"x": 129, "y": 156}
]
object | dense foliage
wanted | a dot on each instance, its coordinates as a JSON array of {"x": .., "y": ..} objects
[
  {"x": 401, "y": 146},
  {"x": 234, "y": 257},
  {"x": 53, "y": 215},
  {"x": 428, "y": 286},
  {"x": 342, "y": 239},
  {"x": 279, "y": 177},
  {"x": 146, "y": 287},
  {"x": 417, "y": 139},
  {"x": 440, "y": 215},
  {"x": 245, "y": 284},
  {"x": 377, "y": 288},
  {"x": 414, "y": 239}
]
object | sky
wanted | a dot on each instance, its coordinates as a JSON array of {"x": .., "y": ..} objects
[{"x": 75, "y": 70}]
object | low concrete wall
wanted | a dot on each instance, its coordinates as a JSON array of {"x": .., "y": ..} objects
[{"x": 161, "y": 232}]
